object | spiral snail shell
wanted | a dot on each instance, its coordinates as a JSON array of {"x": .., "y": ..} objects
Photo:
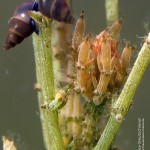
[
  {"x": 56, "y": 9},
  {"x": 21, "y": 25}
]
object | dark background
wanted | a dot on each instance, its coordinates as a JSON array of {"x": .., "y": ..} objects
[{"x": 19, "y": 114}]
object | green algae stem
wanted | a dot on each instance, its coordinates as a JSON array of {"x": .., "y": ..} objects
[
  {"x": 124, "y": 101},
  {"x": 45, "y": 77},
  {"x": 111, "y": 8}
]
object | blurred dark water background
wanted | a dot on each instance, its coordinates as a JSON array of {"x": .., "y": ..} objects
[{"x": 19, "y": 114}]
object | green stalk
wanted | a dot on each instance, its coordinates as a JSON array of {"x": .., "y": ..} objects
[
  {"x": 46, "y": 136},
  {"x": 124, "y": 101},
  {"x": 111, "y": 7},
  {"x": 45, "y": 75}
]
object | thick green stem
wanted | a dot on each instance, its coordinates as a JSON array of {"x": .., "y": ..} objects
[
  {"x": 123, "y": 103},
  {"x": 45, "y": 128},
  {"x": 111, "y": 7},
  {"x": 45, "y": 75}
]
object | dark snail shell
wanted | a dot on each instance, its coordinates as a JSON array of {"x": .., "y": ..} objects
[
  {"x": 20, "y": 25},
  {"x": 56, "y": 9}
]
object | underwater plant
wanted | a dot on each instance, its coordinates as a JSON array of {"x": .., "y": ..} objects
[{"x": 96, "y": 78}]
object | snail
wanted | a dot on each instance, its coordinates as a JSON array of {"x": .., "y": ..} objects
[
  {"x": 21, "y": 25},
  {"x": 56, "y": 9}
]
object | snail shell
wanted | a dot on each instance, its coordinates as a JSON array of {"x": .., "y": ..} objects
[
  {"x": 21, "y": 25},
  {"x": 56, "y": 9}
]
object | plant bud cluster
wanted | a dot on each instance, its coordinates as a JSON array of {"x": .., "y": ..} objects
[{"x": 100, "y": 69}]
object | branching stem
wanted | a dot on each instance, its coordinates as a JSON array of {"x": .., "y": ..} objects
[
  {"x": 123, "y": 103},
  {"x": 45, "y": 76}
]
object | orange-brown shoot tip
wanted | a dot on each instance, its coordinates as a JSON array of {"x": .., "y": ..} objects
[
  {"x": 87, "y": 38},
  {"x": 122, "y": 19},
  {"x": 128, "y": 44},
  {"x": 82, "y": 14}
]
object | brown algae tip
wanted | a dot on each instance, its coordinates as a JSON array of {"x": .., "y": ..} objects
[
  {"x": 121, "y": 20},
  {"x": 82, "y": 14}
]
